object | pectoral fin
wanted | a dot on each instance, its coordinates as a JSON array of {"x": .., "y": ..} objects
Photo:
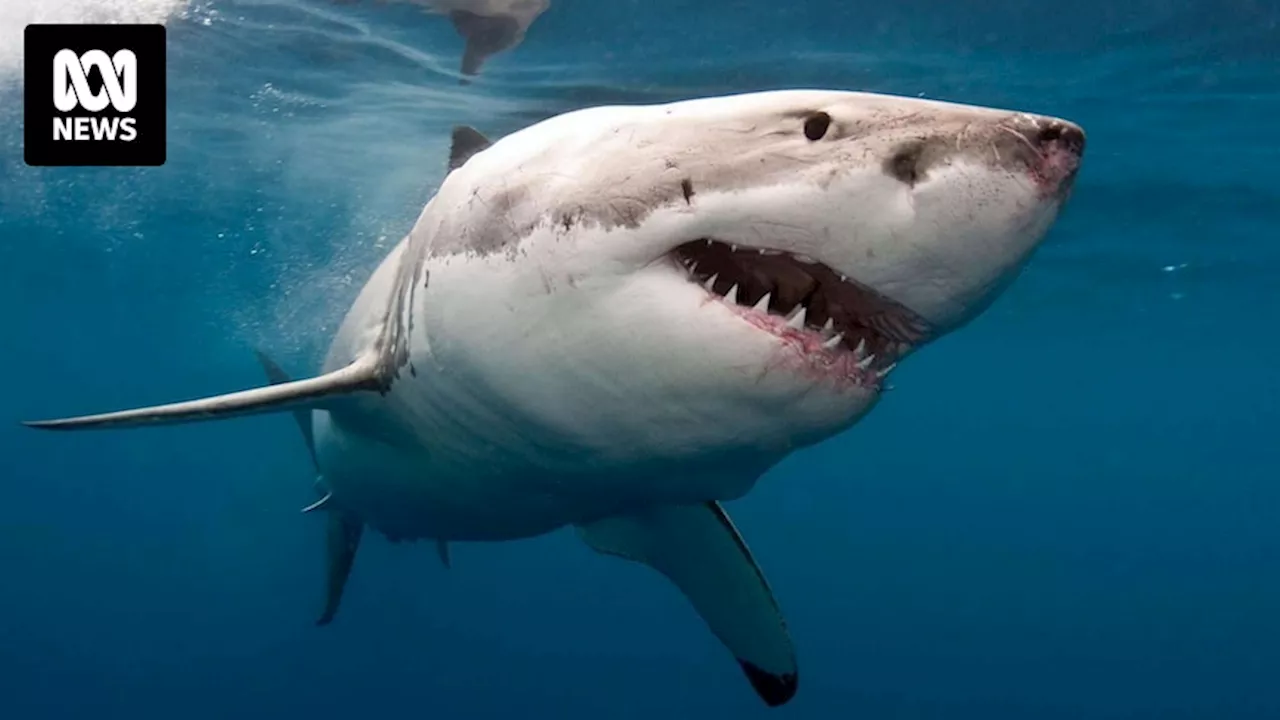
[
  {"x": 359, "y": 376},
  {"x": 698, "y": 548},
  {"x": 343, "y": 532}
]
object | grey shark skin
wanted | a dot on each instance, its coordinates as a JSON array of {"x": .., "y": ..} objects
[{"x": 620, "y": 317}]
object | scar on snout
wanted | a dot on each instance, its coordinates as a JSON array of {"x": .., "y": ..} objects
[{"x": 686, "y": 186}]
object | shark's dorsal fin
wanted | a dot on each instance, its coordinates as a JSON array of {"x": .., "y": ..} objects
[
  {"x": 467, "y": 141},
  {"x": 442, "y": 549}
]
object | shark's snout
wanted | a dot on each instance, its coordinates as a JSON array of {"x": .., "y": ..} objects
[
  {"x": 1054, "y": 150},
  {"x": 1056, "y": 134},
  {"x": 1047, "y": 149}
]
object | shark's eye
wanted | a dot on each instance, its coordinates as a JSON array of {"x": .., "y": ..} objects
[{"x": 815, "y": 126}]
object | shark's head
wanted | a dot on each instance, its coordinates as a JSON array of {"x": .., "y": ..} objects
[{"x": 739, "y": 271}]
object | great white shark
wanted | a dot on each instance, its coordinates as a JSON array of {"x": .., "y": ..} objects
[{"x": 620, "y": 317}]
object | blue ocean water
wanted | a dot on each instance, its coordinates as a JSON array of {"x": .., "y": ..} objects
[{"x": 1069, "y": 509}]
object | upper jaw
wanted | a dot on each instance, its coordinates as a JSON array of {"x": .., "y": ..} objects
[{"x": 834, "y": 327}]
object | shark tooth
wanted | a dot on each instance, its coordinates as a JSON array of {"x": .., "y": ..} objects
[{"x": 796, "y": 321}]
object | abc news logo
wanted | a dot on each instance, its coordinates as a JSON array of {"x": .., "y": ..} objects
[
  {"x": 71, "y": 90},
  {"x": 94, "y": 95}
]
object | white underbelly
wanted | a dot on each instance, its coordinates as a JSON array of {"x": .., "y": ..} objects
[
  {"x": 446, "y": 455},
  {"x": 402, "y": 484},
  {"x": 401, "y": 491}
]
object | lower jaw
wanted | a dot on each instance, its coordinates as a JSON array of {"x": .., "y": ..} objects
[{"x": 802, "y": 353}]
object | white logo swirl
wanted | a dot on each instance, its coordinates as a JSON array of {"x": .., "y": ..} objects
[{"x": 119, "y": 80}]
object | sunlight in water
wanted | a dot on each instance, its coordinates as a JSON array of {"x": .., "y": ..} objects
[{"x": 17, "y": 14}]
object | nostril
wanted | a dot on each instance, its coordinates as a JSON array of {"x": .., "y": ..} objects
[{"x": 906, "y": 164}]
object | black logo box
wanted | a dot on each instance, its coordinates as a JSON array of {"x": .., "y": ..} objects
[{"x": 41, "y": 43}]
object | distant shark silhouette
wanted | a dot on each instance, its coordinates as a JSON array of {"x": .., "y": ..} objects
[{"x": 488, "y": 26}]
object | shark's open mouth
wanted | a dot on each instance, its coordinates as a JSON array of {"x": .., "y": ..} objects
[{"x": 840, "y": 325}]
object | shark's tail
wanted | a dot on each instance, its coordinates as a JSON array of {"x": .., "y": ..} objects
[
  {"x": 485, "y": 35},
  {"x": 361, "y": 375}
]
